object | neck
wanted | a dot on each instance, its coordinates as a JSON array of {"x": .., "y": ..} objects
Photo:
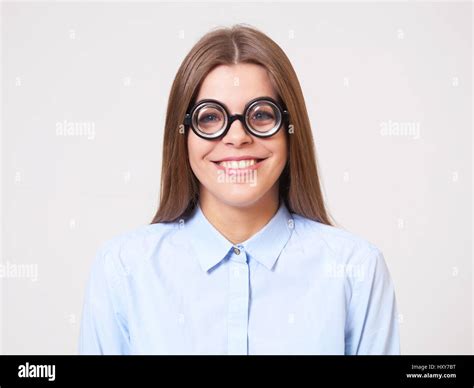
[{"x": 239, "y": 223}]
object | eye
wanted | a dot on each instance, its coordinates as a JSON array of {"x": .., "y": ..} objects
[
  {"x": 263, "y": 115},
  {"x": 208, "y": 118}
]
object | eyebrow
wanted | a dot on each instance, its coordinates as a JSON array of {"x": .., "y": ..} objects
[{"x": 245, "y": 103}]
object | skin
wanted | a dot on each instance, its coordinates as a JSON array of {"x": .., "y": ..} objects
[{"x": 238, "y": 210}]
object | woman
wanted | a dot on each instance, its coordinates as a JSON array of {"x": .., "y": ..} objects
[{"x": 241, "y": 256}]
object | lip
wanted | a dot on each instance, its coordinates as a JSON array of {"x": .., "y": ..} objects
[
  {"x": 239, "y": 170},
  {"x": 237, "y": 158}
]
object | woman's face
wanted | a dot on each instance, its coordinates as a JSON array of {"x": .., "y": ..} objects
[{"x": 247, "y": 183}]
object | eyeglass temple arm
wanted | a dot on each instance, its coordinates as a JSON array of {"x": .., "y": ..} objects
[{"x": 187, "y": 119}]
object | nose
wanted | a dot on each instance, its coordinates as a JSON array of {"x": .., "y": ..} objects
[{"x": 237, "y": 135}]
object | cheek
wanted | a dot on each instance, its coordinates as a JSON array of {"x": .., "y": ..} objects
[
  {"x": 283, "y": 151},
  {"x": 197, "y": 150},
  {"x": 279, "y": 149}
]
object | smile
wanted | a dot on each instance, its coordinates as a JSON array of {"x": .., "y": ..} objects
[{"x": 244, "y": 164}]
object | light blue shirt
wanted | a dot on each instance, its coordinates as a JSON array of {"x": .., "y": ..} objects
[{"x": 295, "y": 287}]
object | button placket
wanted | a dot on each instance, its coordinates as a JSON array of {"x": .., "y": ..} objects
[{"x": 238, "y": 302}]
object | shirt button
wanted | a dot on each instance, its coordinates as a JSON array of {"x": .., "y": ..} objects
[{"x": 236, "y": 251}]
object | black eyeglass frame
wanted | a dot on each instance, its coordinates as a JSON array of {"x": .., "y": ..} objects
[{"x": 189, "y": 119}]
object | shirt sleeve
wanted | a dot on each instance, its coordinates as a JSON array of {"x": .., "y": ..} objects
[
  {"x": 103, "y": 324},
  {"x": 372, "y": 321}
]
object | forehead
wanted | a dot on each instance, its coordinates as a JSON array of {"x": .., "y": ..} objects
[{"x": 236, "y": 85}]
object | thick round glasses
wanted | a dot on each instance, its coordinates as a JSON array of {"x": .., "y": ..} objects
[{"x": 210, "y": 119}]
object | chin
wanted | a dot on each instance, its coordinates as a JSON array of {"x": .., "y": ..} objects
[{"x": 241, "y": 195}]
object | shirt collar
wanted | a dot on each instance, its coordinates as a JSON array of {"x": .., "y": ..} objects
[{"x": 211, "y": 247}]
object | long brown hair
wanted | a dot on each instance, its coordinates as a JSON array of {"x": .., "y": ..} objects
[{"x": 299, "y": 182}]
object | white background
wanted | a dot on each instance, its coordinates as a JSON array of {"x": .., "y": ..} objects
[{"x": 361, "y": 67}]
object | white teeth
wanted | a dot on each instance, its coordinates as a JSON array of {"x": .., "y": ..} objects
[{"x": 238, "y": 164}]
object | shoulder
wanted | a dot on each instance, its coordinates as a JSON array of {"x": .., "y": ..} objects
[
  {"x": 122, "y": 253},
  {"x": 338, "y": 245}
]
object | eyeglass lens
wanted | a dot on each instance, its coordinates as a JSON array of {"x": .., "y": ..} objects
[{"x": 261, "y": 117}]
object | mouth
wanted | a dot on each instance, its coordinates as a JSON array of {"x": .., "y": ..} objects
[{"x": 239, "y": 165}]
